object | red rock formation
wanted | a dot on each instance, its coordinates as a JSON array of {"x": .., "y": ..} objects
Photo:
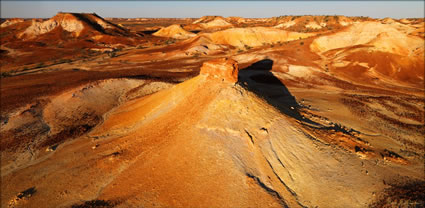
[{"x": 223, "y": 68}]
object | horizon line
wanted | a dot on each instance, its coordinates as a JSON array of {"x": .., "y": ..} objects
[{"x": 294, "y": 15}]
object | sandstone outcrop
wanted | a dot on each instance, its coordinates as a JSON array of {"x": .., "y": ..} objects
[
  {"x": 224, "y": 69},
  {"x": 217, "y": 22},
  {"x": 383, "y": 37},
  {"x": 254, "y": 36},
  {"x": 74, "y": 23},
  {"x": 174, "y": 31},
  {"x": 11, "y": 22},
  {"x": 204, "y": 19},
  {"x": 67, "y": 21}
]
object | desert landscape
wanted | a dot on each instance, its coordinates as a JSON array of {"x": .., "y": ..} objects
[{"x": 289, "y": 111}]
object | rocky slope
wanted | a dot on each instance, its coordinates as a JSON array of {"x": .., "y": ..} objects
[
  {"x": 253, "y": 37},
  {"x": 12, "y": 21},
  {"x": 390, "y": 52},
  {"x": 216, "y": 138},
  {"x": 74, "y": 23}
]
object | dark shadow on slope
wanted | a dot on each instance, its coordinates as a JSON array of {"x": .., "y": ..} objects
[
  {"x": 407, "y": 194},
  {"x": 148, "y": 32},
  {"x": 95, "y": 25},
  {"x": 259, "y": 79},
  {"x": 96, "y": 204}
]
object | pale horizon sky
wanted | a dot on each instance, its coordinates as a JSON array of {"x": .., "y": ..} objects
[{"x": 196, "y": 9}]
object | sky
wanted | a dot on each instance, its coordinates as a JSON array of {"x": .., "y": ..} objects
[{"x": 196, "y": 9}]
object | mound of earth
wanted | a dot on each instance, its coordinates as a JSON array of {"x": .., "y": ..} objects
[
  {"x": 12, "y": 21},
  {"x": 202, "y": 45},
  {"x": 388, "y": 20},
  {"x": 217, "y": 22},
  {"x": 35, "y": 43},
  {"x": 74, "y": 23},
  {"x": 312, "y": 23},
  {"x": 236, "y": 20},
  {"x": 212, "y": 23},
  {"x": 380, "y": 36},
  {"x": 174, "y": 31},
  {"x": 405, "y": 21},
  {"x": 256, "y": 36},
  {"x": 371, "y": 50},
  {"x": 205, "y": 19}
]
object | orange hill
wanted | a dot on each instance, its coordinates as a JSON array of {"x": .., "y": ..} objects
[
  {"x": 77, "y": 24},
  {"x": 174, "y": 31}
]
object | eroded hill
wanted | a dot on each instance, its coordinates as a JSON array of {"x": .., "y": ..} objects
[{"x": 293, "y": 111}]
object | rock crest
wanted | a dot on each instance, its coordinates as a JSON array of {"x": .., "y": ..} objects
[{"x": 224, "y": 69}]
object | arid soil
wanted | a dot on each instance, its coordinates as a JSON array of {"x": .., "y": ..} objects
[{"x": 290, "y": 111}]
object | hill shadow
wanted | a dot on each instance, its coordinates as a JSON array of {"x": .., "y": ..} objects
[
  {"x": 259, "y": 79},
  {"x": 94, "y": 24},
  {"x": 148, "y": 32}
]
